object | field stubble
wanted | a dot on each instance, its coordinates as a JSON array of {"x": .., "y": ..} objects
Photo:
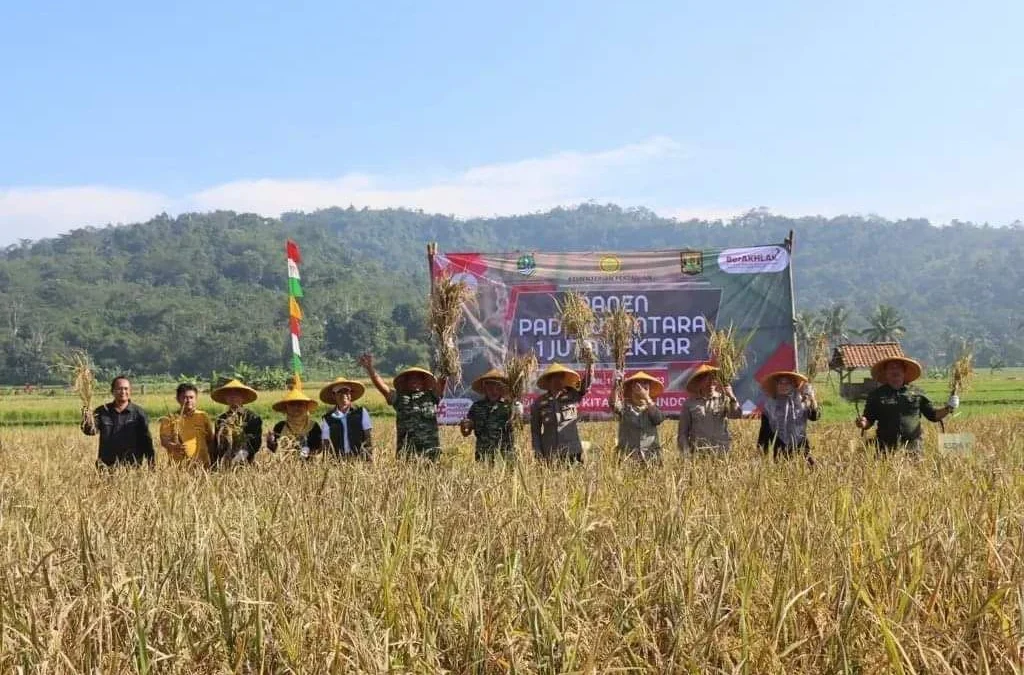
[{"x": 698, "y": 566}]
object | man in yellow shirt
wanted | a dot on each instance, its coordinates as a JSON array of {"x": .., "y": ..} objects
[{"x": 188, "y": 434}]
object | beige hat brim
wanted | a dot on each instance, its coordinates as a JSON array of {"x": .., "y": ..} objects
[{"x": 911, "y": 369}]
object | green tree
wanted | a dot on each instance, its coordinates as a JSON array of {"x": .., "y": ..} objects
[{"x": 884, "y": 325}]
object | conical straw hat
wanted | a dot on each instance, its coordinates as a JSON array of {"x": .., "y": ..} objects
[
  {"x": 911, "y": 368},
  {"x": 492, "y": 374},
  {"x": 702, "y": 370},
  {"x": 327, "y": 393},
  {"x": 431, "y": 380},
  {"x": 656, "y": 386},
  {"x": 248, "y": 393},
  {"x": 556, "y": 369},
  {"x": 770, "y": 380},
  {"x": 293, "y": 396}
]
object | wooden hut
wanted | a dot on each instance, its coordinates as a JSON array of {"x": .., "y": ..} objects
[{"x": 850, "y": 357}]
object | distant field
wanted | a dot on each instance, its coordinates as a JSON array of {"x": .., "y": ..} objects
[
  {"x": 1001, "y": 392},
  {"x": 991, "y": 394}
]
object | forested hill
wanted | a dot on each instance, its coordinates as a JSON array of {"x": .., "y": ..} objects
[{"x": 204, "y": 292}]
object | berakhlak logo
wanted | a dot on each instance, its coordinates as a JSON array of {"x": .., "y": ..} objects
[
  {"x": 753, "y": 260},
  {"x": 691, "y": 262},
  {"x": 526, "y": 265},
  {"x": 609, "y": 264}
]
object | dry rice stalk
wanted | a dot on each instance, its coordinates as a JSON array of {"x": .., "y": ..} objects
[
  {"x": 962, "y": 372},
  {"x": 578, "y": 322},
  {"x": 817, "y": 361},
  {"x": 231, "y": 435},
  {"x": 519, "y": 368},
  {"x": 728, "y": 351},
  {"x": 618, "y": 328},
  {"x": 447, "y": 299},
  {"x": 83, "y": 381}
]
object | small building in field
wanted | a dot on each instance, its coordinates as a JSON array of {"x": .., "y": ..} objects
[{"x": 860, "y": 356}]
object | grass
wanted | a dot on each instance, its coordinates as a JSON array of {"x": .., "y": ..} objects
[{"x": 703, "y": 566}]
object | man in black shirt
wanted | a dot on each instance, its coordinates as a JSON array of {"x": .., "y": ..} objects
[
  {"x": 897, "y": 408},
  {"x": 122, "y": 427}
]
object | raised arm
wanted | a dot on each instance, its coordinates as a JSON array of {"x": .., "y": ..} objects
[
  {"x": 366, "y": 361},
  {"x": 733, "y": 410}
]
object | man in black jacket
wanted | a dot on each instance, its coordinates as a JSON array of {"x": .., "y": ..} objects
[{"x": 122, "y": 427}]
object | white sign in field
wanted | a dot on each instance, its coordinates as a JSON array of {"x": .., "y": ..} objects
[{"x": 956, "y": 444}]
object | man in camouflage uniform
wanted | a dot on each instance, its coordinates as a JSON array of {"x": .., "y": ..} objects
[
  {"x": 897, "y": 408},
  {"x": 414, "y": 396},
  {"x": 554, "y": 415},
  {"x": 491, "y": 418}
]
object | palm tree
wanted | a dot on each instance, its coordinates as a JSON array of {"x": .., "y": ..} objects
[
  {"x": 833, "y": 323},
  {"x": 808, "y": 326},
  {"x": 884, "y": 325}
]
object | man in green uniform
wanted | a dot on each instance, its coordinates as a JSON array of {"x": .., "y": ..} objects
[
  {"x": 897, "y": 408},
  {"x": 491, "y": 418},
  {"x": 414, "y": 396},
  {"x": 554, "y": 415}
]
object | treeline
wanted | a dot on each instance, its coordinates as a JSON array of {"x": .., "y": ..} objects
[{"x": 205, "y": 292}]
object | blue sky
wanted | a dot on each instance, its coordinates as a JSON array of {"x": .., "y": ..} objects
[{"x": 117, "y": 111}]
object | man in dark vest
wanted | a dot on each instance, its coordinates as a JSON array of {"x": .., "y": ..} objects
[{"x": 346, "y": 431}]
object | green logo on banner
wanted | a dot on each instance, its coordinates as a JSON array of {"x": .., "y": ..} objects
[{"x": 691, "y": 262}]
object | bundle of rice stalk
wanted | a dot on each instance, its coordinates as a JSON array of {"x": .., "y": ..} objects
[
  {"x": 578, "y": 323},
  {"x": 83, "y": 381},
  {"x": 444, "y": 319},
  {"x": 817, "y": 360},
  {"x": 618, "y": 328},
  {"x": 231, "y": 435},
  {"x": 728, "y": 351},
  {"x": 962, "y": 371},
  {"x": 519, "y": 368}
]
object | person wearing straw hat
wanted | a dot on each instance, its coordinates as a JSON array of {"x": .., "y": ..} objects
[
  {"x": 703, "y": 420},
  {"x": 790, "y": 405},
  {"x": 415, "y": 395},
  {"x": 491, "y": 418},
  {"x": 346, "y": 431},
  {"x": 239, "y": 431},
  {"x": 554, "y": 414},
  {"x": 897, "y": 408},
  {"x": 639, "y": 416},
  {"x": 295, "y": 428},
  {"x": 188, "y": 434}
]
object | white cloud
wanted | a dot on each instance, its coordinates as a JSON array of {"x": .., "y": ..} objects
[
  {"x": 522, "y": 186},
  {"x": 513, "y": 187},
  {"x": 36, "y": 212}
]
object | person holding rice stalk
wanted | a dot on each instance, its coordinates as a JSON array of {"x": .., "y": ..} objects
[
  {"x": 639, "y": 416},
  {"x": 293, "y": 431},
  {"x": 554, "y": 415},
  {"x": 790, "y": 405},
  {"x": 703, "y": 425},
  {"x": 491, "y": 418},
  {"x": 122, "y": 427},
  {"x": 346, "y": 431},
  {"x": 239, "y": 431},
  {"x": 897, "y": 408},
  {"x": 188, "y": 434},
  {"x": 414, "y": 396}
]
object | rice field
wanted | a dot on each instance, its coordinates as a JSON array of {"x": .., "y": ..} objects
[{"x": 699, "y": 566}]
